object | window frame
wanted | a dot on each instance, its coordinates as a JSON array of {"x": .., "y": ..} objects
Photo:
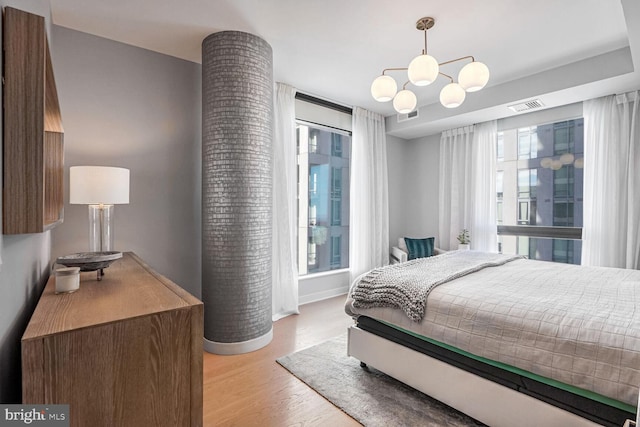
[
  {"x": 336, "y": 182},
  {"x": 570, "y": 233}
]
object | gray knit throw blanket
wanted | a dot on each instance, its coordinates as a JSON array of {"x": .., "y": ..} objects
[{"x": 407, "y": 285}]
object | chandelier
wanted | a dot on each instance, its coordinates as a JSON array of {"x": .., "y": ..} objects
[{"x": 422, "y": 71}]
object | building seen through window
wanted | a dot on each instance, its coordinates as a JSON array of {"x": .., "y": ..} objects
[
  {"x": 323, "y": 198},
  {"x": 539, "y": 183}
]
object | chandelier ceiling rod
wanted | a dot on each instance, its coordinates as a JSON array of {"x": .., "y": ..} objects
[
  {"x": 424, "y": 24},
  {"x": 422, "y": 71}
]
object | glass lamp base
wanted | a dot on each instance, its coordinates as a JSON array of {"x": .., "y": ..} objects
[{"x": 101, "y": 228}]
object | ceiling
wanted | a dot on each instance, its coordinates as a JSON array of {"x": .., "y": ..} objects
[{"x": 560, "y": 51}]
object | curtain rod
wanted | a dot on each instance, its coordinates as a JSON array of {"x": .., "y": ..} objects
[{"x": 323, "y": 103}]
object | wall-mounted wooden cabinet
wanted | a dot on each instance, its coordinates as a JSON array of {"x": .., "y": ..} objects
[{"x": 33, "y": 136}]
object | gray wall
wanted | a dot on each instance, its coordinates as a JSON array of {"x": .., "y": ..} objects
[
  {"x": 24, "y": 271},
  {"x": 413, "y": 187},
  {"x": 396, "y": 165},
  {"x": 130, "y": 107}
]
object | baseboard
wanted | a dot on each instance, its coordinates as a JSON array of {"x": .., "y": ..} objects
[
  {"x": 224, "y": 348},
  {"x": 319, "y": 296}
]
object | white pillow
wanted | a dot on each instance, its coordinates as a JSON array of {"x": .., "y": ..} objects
[{"x": 402, "y": 244}]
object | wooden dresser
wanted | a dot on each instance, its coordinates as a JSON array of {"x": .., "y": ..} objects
[{"x": 124, "y": 351}]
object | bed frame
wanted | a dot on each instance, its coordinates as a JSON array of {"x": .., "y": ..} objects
[{"x": 486, "y": 400}]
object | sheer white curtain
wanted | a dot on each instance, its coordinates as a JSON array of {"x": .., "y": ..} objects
[
  {"x": 467, "y": 189},
  {"x": 284, "y": 263},
  {"x": 369, "y": 199},
  {"x": 455, "y": 185},
  {"x": 611, "y": 230},
  {"x": 483, "y": 222}
]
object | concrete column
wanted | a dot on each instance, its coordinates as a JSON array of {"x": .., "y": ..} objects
[{"x": 237, "y": 124}]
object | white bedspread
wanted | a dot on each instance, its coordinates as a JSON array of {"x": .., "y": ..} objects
[
  {"x": 407, "y": 285},
  {"x": 578, "y": 325}
]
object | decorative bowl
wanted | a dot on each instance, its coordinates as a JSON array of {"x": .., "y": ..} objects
[{"x": 89, "y": 261}]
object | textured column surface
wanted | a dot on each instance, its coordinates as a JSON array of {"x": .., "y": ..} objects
[{"x": 237, "y": 122}]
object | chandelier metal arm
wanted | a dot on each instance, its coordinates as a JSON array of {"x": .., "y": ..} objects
[
  {"x": 446, "y": 75},
  {"x": 394, "y": 69},
  {"x": 458, "y": 59}
]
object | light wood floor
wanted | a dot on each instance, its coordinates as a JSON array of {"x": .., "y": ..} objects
[{"x": 253, "y": 390}]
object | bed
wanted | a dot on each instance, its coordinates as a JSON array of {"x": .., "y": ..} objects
[{"x": 513, "y": 342}]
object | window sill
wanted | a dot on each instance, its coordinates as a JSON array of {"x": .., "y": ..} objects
[{"x": 323, "y": 274}]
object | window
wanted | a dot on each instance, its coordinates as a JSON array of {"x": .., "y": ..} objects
[
  {"x": 527, "y": 183},
  {"x": 563, "y": 182},
  {"x": 499, "y": 194},
  {"x": 526, "y": 246},
  {"x": 563, "y": 251},
  {"x": 336, "y": 251},
  {"x": 539, "y": 191},
  {"x": 311, "y": 253},
  {"x": 313, "y": 180},
  {"x": 313, "y": 141},
  {"x": 336, "y": 182},
  {"x": 336, "y": 212},
  {"x": 323, "y": 198},
  {"x": 527, "y": 143},
  {"x": 336, "y": 145},
  {"x": 563, "y": 137},
  {"x": 563, "y": 213},
  {"x": 523, "y": 212}
]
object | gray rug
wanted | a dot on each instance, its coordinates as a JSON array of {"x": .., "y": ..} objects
[{"x": 369, "y": 396}]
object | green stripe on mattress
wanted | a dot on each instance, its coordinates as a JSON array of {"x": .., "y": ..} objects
[{"x": 557, "y": 384}]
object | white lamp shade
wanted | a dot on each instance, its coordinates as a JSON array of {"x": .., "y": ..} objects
[
  {"x": 423, "y": 70},
  {"x": 384, "y": 88},
  {"x": 474, "y": 76},
  {"x": 452, "y": 95},
  {"x": 94, "y": 185},
  {"x": 405, "y": 101}
]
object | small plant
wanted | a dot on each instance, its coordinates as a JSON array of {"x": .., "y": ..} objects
[{"x": 463, "y": 237}]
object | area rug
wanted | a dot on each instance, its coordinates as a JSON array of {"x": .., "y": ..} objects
[{"x": 369, "y": 396}]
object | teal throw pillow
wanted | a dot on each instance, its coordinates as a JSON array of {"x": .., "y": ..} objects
[{"x": 420, "y": 248}]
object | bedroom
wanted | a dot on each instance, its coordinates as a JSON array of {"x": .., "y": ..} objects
[{"x": 113, "y": 110}]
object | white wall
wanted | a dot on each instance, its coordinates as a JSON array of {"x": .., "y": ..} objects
[
  {"x": 130, "y": 107},
  {"x": 319, "y": 286},
  {"x": 24, "y": 270}
]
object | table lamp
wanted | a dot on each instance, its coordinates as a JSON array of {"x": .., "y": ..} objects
[{"x": 100, "y": 187}]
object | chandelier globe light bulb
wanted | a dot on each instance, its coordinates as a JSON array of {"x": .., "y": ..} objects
[
  {"x": 423, "y": 70},
  {"x": 473, "y": 76},
  {"x": 452, "y": 95},
  {"x": 384, "y": 88},
  {"x": 405, "y": 101}
]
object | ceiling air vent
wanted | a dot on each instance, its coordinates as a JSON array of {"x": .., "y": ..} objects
[
  {"x": 526, "y": 106},
  {"x": 408, "y": 116}
]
